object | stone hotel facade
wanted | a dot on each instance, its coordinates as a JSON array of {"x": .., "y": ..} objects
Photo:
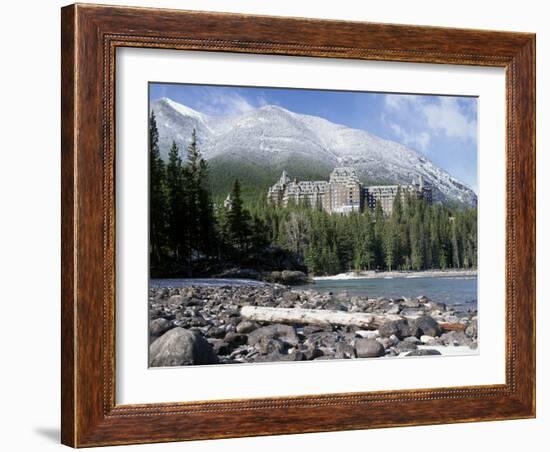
[{"x": 342, "y": 193}]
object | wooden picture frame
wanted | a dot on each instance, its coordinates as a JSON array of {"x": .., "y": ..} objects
[{"x": 90, "y": 36}]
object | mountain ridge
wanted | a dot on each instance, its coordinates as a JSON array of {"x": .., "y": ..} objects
[{"x": 271, "y": 138}]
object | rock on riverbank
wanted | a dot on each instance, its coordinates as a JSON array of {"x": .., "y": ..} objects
[{"x": 204, "y": 325}]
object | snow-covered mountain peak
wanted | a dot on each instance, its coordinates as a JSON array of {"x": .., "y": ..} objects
[
  {"x": 272, "y": 138},
  {"x": 182, "y": 109}
]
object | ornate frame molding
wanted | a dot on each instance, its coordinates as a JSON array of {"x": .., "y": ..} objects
[{"x": 90, "y": 36}]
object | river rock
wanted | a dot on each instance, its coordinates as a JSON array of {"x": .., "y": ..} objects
[
  {"x": 405, "y": 346},
  {"x": 428, "y": 340},
  {"x": 367, "y": 334},
  {"x": 246, "y": 326},
  {"x": 270, "y": 346},
  {"x": 471, "y": 330},
  {"x": 179, "y": 347},
  {"x": 285, "y": 333},
  {"x": 368, "y": 348},
  {"x": 235, "y": 338},
  {"x": 399, "y": 328},
  {"x": 427, "y": 326},
  {"x": 344, "y": 350},
  {"x": 424, "y": 352},
  {"x": 411, "y": 303},
  {"x": 175, "y": 300},
  {"x": 159, "y": 326},
  {"x": 455, "y": 338}
]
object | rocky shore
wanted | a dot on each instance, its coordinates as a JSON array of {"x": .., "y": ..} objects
[{"x": 208, "y": 325}]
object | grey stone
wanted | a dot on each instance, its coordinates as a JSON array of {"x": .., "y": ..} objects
[
  {"x": 344, "y": 350},
  {"x": 471, "y": 330},
  {"x": 269, "y": 346},
  {"x": 399, "y": 328},
  {"x": 411, "y": 303},
  {"x": 427, "y": 326},
  {"x": 175, "y": 300},
  {"x": 368, "y": 348},
  {"x": 180, "y": 347},
  {"x": 428, "y": 340},
  {"x": 246, "y": 326},
  {"x": 286, "y": 333},
  {"x": 404, "y": 346},
  {"x": 367, "y": 334},
  {"x": 159, "y": 326},
  {"x": 235, "y": 338},
  {"x": 455, "y": 338},
  {"x": 424, "y": 352}
]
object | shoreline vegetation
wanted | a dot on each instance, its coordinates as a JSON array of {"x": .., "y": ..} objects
[{"x": 230, "y": 324}]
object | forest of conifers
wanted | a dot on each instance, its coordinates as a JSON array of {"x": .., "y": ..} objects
[{"x": 190, "y": 234}]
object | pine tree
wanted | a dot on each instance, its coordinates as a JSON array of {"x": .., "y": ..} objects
[
  {"x": 238, "y": 221},
  {"x": 379, "y": 232},
  {"x": 200, "y": 209},
  {"x": 157, "y": 196},
  {"x": 178, "y": 231}
]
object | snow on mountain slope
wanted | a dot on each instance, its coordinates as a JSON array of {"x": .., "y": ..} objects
[{"x": 272, "y": 138}]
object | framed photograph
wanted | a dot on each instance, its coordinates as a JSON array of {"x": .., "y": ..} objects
[{"x": 282, "y": 225}]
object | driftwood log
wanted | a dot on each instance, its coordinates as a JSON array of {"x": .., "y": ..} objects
[{"x": 329, "y": 317}]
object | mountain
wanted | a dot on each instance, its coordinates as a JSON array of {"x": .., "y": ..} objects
[{"x": 257, "y": 145}]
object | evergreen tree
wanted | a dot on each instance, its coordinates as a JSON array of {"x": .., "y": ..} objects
[
  {"x": 238, "y": 221},
  {"x": 379, "y": 232},
  {"x": 178, "y": 231},
  {"x": 200, "y": 211},
  {"x": 157, "y": 196}
]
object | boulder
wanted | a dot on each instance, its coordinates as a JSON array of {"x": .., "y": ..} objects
[
  {"x": 344, "y": 350},
  {"x": 423, "y": 352},
  {"x": 246, "y": 326},
  {"x": 455, "y": 338},
  {"x": 159, "y": 326},
  {"x": 412, "y": 340},
  {"x": 291, "y": 296},
  {"x": 270, "y": 346},
  {"x": 293, "y": 277},
  {"x": 428, "y": 340},
  {"x": 181, "y": 347},
  {"x": 288, "y": 277},
  {"x": 367, "y": 334},
  {"x": 235, "y": 338},
  {"x": 405, "y": 346},
  {"x": 285, "y": 333},
  {"x": 426, "y": 326},
  {"x": 175, "y": 300},
  {"x": 368, "y": 348},
  {"x": 399, "y": 328},
  {"x": 411, "y": 303},
  {"x": 471, "y": 330},
  {"x": 312, "y": 352}
]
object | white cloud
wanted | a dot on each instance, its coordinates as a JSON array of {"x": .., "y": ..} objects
[
  {"x": 215, "y": 102},
  {"x": 419, "y": 140},
  {"x": 444, "y": 116},
  {"x": 448, "y": 117},
  {"x": 400, "y": 101}
]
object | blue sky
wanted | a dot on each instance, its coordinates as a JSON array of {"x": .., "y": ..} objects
[{"x": 443, "y": 128}]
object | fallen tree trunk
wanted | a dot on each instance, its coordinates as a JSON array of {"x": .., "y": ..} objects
[
  {"x": 315, "y": 316},
  {"x": 328, "y": 317}
]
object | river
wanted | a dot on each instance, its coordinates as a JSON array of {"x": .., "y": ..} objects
[
  {"x": 453, "y": 290},
  {"x": 450, "y": 290}
]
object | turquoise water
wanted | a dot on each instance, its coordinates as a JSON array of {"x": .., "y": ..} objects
[
  {"x": 455, "y": 290},
  {"x": 449, "y": 290}
]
